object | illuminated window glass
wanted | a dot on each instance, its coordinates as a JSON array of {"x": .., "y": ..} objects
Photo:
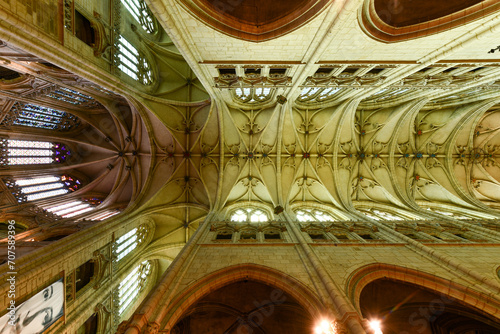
[
  {"x": 31, "y": 189},
  {"x": 461, "y": 215},
  {"x": 103, "y": 215},
  {"x": 34, "y": 116},
  {"x": 31, "y": 152},
  {"x": 71, "y": 96},
  {"x": 317, "y": 94},
  {"x": 249, "y": 215},
  {"x": 253, "y": 95},
  {"x": 313, "y": 215},
  {"x": 132, "y": 285},
  {"x": 74, "y": 208},
  {"x": 141, "y": 13},
  {"x": 128, "y": 242},
  {"x": 381, "y": 215},
  {"x": 133, "y": 63}
]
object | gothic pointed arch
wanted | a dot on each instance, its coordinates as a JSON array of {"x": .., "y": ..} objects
[
  {"x": 283, "y": 285},
  {"x": 448, "y": 290}
]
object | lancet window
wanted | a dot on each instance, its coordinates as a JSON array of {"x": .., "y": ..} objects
[
  {"x": 129, "y": 241},
  {"x": 313, "y": 215},
  {"x": 31, "y": 189},
  {"x": 132, "y": 285},
  {"x": 141, "y": 13},
  {"x": 133, "y": 63},
  {"x": 34, "y": 116},
  {"x": 31, "y": 152},
  {"x": 252, "y": 94},
  {"x": 253, "y": 215}
]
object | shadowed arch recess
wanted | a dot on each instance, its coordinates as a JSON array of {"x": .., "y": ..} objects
[
  {"x": 237, "y": 273},
  {"x": 255, "y": 20},
  {"x": 362, "y": 277},
  {"x": 400, "y": 20}
]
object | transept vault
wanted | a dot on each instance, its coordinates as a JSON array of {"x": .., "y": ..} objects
[{"x": 195, "y": 166}]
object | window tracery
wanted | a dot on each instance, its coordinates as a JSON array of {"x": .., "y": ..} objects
[
  {"x": 318, "y": 94},
  {"x": 141, "y": 13},
  {"x": 133, "y": 63},
  {"x": 75, "y": 208},
  {"x": 459, "y": 215},
  {"x": 313, "y": 215},
  {"x": 128, "y": 242},
  {"x": 31, "y": 152},
  {"x": 132, "y": 285},
  {"x": 31, "y": 189},
  {"x": 253, "y": 94},
  {"x": 388, "y": 93},
  {"x": 35, "y": 116},
  {"x": 379, "y": 214},
  {"x": 253, "y": 215},
  {"x": 103, "y": 215},
  {"x": 72, "y": 96}
]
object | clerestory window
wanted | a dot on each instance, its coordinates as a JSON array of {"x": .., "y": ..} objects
[
  {"x": 72, "y": 96},
  {"x": 133, "y": 63},
  {"x": 313, "y": 215},
  {"x": 317, "y": 94},
  {"x": 128, "y": 242},
  {"x": 31, "y": 152},
  {"x": 31, "y": 189},
  {"x": 253, "y": 215},
  {"x": 34, "y": 116},
  {"x": 132, "y": 285},
  {"x": 141, "y": 13},
  {"x": 253, "y": 95},
  {"x": 378, "y": 214},
  {"x": 75, "y": 207}
]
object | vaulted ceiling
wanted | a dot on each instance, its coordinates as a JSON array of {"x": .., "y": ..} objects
[{"x": 349, "y": 123}]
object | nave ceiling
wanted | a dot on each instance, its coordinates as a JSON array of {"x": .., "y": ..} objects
[{"x": 348, "y": 136}]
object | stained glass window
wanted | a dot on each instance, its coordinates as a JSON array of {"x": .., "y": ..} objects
[
  {"x": 31, "y": 152},
  {"x": 141, "y": 13},
  {"x": 39, "y": 117},
  {"x": 133, "y": 63},
  {"x": 31, "y": 189},
  {"x": 132, "y": 285},
  {"x": 249, "y": 215},
  {"x": 71, "y": 96},
  {"x": 128, "y": 242},
  {"x": 313, "y": 215}
]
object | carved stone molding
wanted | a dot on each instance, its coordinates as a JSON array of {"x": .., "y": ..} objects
[
  {"x": 103, "y": 318},
  {"x": 152, "y": 328},
  {"x": 102, "y": 265}
]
